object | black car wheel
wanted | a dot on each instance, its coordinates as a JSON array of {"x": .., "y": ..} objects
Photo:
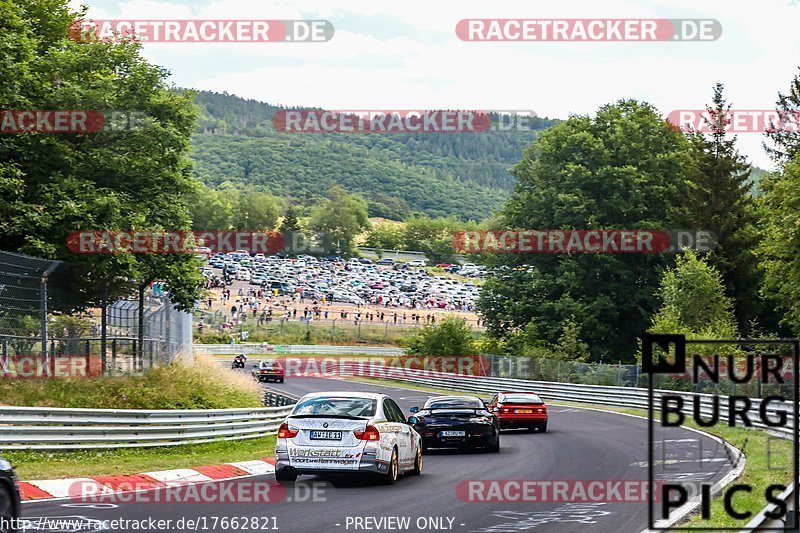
[
  {"x": 418, "y": 462},
  {"x": 280, "y": 380},
  {"x": 494, "y": 448},
  {"x": 391, "y": 473},
  {"x": 543, "y": 427},
  {"x": 6, "y": 510}
]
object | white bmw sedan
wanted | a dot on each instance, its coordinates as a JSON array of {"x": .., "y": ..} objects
[{"x": 347, "y": 432}]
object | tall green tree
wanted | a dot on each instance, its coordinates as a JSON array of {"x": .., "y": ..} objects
[
  {"x": 623, "y": 168},
  {"x": 779, "y": 249},
  {"x": 289, "y": 223},
  {"x": 694, "y": 301},
  {"x": 339, "y": 218},
  {"x": 720, "y": 200},
  {"x": 116, "y": 179}
]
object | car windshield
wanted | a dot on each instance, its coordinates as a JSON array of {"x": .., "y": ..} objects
[
  {"x": 360, "y": 407},
  {"x": 267, "y": 364},
  {"x": 455, "y": 403},
  {"x": 521, "y": 398}
]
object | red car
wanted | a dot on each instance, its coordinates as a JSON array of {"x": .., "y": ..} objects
[{"x": 520, "y": 410}]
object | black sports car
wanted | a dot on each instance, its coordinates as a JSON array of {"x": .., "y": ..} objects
[
  {"x": 9, "y": 498},
  {"x": 456, "y": 422}
]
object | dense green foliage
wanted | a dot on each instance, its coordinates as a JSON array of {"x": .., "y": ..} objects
[
  {"x": 53, "y": 184},
  {"x": 450, "y": 337},
  {"x": 339, "y": 219},
  {"x": 230, "y": 208},
  {"x": 461, "y": 174},
  {"x": 624, "y": 168},
  {"x": 694, "y": 301}
]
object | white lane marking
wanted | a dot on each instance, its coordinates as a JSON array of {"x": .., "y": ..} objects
[
  {"x": 577, "y": 513},
  {"x": 181, "y": 476},
  {"x": 255, "y": 467},
  {"x": 644, "y": 464}
]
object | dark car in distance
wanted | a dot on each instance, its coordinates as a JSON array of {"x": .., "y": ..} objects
[
  {"x": 462, "y": 422},
  {"x": 10, "y": 506}
]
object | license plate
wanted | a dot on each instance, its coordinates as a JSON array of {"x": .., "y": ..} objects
[
  {"x": 452, "y": 433},
  {"x": 326, "y": 435},
  {"x": 523, "y": 411}
]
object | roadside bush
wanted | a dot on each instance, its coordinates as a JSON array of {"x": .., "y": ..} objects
[{"x": 450, "y": 337}]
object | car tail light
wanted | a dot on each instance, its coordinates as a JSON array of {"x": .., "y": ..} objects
[
  {"x": 285, "y": 432},
  {"x": 369, "y": 433}
]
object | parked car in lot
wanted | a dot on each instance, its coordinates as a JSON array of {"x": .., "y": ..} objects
[
  {"x": 347, "y": 433},
  {"x": 385, "y": 261},
  {"x": 267, "y": 371},
  {"x": 10, "y": 506},
  {"x": 520, "y": 410},
  {"x": 462, "y": 422},
  {"x": 416, "y": 263}
]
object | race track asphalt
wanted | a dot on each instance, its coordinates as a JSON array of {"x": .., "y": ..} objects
[{"x": 580, "y": 444}]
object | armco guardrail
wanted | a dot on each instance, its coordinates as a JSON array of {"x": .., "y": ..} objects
[
  {"x": 288, "y": 349},
  {"x": 47, "y": 428}
]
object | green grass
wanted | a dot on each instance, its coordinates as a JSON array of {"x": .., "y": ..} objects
[
  {"x": 32, "y": 465},
  {"x": 345, "y": 333},
  {"x": 203, "y": 385},
  {"x": 762, "y": 452}
]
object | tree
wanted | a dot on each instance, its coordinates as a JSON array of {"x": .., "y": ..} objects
[
  {"x": 780, "y": 247},
  {"x": 786, "y": 141},
  {"x": 720, "y": 201},
  {"x": 339, "y": 218},
  {"x": 694, "y": 301},
  {"x": 570, "y": 347},
  {"x": 255, "y": 210},
  {"x": 210, "y": 209},
  {"x": 450, "y": 337},
  {"x": 387, "y": 236},
  {"x": 780, "y": 209},
  {"x": 134, "y": 178},
  {"x": 289, "y": 224},
  {"x": 623, "y": 168}
]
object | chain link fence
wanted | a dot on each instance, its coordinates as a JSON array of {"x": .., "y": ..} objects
[
  {"x": 42, "y": 320},
  {"x": 745, "y": 362}
]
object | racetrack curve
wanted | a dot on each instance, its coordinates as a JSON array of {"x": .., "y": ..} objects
[{"x": 580, "y": 444}]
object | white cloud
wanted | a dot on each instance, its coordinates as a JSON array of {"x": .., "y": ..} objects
[{"x": 370, "y": 66}]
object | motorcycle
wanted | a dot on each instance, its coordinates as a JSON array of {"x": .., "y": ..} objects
[{"x": 238, "y": 362}]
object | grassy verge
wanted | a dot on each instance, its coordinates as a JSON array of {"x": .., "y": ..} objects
[
  {"x": 768, "y": 460},
  {"x": 202, "y": 385},
  {"x": 293, "y": 332},
  {"x": 31, "y": 465}
]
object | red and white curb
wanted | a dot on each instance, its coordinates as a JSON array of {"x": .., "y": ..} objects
[{"x": 54, "y": 489}]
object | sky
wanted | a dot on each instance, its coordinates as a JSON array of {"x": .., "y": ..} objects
[{"x": 406, "y": 55}]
